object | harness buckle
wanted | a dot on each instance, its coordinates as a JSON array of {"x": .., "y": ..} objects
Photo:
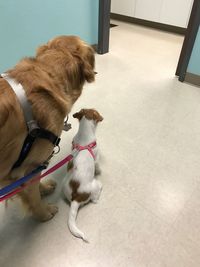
[
  {"x": 57, "y": 142},
  {"x": 58, "y": 149},
  {"x": 32, "y": 126},
  {"x": 34, "y": 133}
]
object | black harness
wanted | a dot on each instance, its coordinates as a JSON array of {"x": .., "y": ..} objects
[
  {"x": 31, "y": 138},
  {"x": 34, "y": 131}
]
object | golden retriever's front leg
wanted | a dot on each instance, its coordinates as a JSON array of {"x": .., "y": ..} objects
[
  {"x": 47, "y": 187},
  {"x": 40, "y": 210}
]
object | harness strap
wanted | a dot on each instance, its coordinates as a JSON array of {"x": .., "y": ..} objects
[
  {"x": 25, "y": 104},
  {"x": 88, "y": 147},
  {"x": 30, "y": 139},
  {"x": 51, "y": 137},
  {"x": 34, "y": 131}
]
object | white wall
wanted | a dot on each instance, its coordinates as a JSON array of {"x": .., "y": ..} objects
[{"x": 27, "y": 24}]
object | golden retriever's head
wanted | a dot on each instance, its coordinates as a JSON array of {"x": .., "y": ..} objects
[{"x": 72, "y": 61}]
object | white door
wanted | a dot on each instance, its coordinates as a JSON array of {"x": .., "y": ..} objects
[
  {"x": 123, "y": 7},
  {"x": 148, "y": 9},
  {"x": 176, "y": 12}
]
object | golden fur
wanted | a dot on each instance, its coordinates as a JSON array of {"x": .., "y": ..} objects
[{"x": 53, "y": 81}]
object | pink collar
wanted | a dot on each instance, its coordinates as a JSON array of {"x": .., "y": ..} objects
[{"x": 88, "y": 147}]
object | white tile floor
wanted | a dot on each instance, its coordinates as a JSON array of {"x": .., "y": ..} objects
[{"x": 149, "y": 210}]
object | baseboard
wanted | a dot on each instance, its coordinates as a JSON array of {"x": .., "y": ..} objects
[
  {"x": 192, "y": 78},
  {"x": 151, "y": 24}
]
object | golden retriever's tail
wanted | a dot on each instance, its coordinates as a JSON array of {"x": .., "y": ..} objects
[{"x": 72, "y": 221}]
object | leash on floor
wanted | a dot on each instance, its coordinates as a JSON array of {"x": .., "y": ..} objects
[{"x": 19, "y": 185}]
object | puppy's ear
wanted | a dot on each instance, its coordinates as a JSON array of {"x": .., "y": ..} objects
[
  {"x": 79, "y": 115},
  {"x": 97, "y": 117},
  {"x": 100, "y": 118}
]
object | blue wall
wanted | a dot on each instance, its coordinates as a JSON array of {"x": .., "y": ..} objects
[
  {"x": 25, "y": 24},
  {"x": 194, "y": 64}
]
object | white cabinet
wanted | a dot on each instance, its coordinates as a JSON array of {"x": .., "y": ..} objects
[
  {"x": 148, "y": 9},
  {"x": 176, "y": 12},
  {"x": 123, "y": 7},
  {"x": 172, "y": 12}
]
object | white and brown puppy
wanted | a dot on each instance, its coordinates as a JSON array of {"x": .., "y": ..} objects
[{"x": 80, "y": 185}]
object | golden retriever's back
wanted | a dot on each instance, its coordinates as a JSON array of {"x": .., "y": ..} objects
[{"x": 12, "y": 128}]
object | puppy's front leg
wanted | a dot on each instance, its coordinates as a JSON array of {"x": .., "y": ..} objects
[
  {"x": 40, "y": 210},
  {"x": 97, "y": 169}
]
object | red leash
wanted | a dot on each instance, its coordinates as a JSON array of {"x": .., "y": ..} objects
[{"x": 37, "y": 178}]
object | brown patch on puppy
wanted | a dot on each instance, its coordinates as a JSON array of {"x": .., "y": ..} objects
[
  {"x": 79, "y": 197},
  {"x": 70, "y": 165},
  {"x": 90, "y": 114}
]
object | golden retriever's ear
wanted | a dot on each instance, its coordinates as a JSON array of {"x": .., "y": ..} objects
[
  {"x": 88, "y": 65},
  {"x": 86, "y": 61},
  {"x": 41, "y": 49},
  {"x": 88, "y": 72},
  {"x": 79, "y": 115}
]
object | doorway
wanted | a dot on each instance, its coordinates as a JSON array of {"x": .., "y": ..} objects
[{"x": 188, "y": 44}]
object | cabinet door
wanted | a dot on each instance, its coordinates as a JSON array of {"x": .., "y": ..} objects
[
  {"x": 148, "y": 9},
  {"x": 123, "y": 7},
  {"x": 176, "y": 12}
]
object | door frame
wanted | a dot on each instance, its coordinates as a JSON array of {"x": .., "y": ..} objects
[
  {"x": 104, "y": 26},
  {"x": 188, "y": 44}
]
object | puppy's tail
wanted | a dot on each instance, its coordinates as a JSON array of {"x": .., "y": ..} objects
[{"x": 72, "y": 221}]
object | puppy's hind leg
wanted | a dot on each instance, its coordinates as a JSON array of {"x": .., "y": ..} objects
[{"x": 96, "y": 190}]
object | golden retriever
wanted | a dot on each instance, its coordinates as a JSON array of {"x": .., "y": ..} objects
[{"x": 53, "y": 80}]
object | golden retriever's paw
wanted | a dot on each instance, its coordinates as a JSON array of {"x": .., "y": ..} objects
[
  {"x": 47, "y": 213},
  {"x": 47, "y": 187},
  {"x": 53, "y": 209}
]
